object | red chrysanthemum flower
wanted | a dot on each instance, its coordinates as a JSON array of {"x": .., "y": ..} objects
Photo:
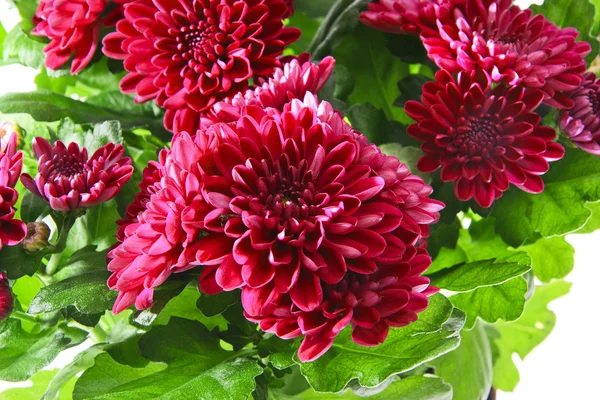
[
  {"x": 290, "y": 6},
  {"x": 73, "y": 27},
  {"x": 274, "y": 204},
  {"x": 392, "y": 296},
  {"x": 402, "y": 16},
  {"x": 12, "y": 231},
  {"x": 582, "y": 122},
  {"x": 6, "y": 297},
  {"x": 296, "y": 78},
  {"x": 188, "y": 54},
  {"x": 484, "y": 138},
  {"x": 510, "y": 44},
  {"x": 68, "y": 180}
]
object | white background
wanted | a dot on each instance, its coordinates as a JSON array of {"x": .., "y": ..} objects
[{"x": 563, "y": 367}]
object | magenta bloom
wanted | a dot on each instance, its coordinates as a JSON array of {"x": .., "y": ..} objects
[
  {"x": 582, "y": 122},
  {"x": 296, "y": 78},
  {"x": 290, "y": 6},
  {"x": 188, "y": 54},
  {"x": 277, "y": 203},
  {"x": 402, "y": 16},
  {"x": 12, "y": 231},
  {"x": 6, "y": 297},
  {"x": 68, "y": 180},
  {"x": 73, "y": 28},
  {"x": 483, "y": 138},
  {"x": 392, "y": 296}
]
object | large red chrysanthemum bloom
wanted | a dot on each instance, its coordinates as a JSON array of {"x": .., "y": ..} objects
[
  {"x": 582, "y": 122},
  {"x": 68, "y": 180},
  {"x": 276, "y": 203},
  {"x": 12, "y": 231},
  {"x": 392, "y": 296},
  {"x": 402, "y": 16},
  {"x": 510, "y": 44},
  {"x": 296, "y": 78},
  {"x": 483, "y": 138},
  {"x": 73, "y": 27},
  {"x": 188, "y": 54},
  {"x": 6, "y": 297}
]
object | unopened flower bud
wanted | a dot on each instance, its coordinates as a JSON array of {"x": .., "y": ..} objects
[
  {"x": 7, "y": 130},
  {"x": 6, "y": 297},
  {"x": 37, "y": 237}
]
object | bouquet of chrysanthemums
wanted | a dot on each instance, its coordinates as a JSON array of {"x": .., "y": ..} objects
[{"x": 277, "y": 199}]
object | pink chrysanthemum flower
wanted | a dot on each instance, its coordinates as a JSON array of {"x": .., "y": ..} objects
[
  {"x": 188, "y": 54},
  {"x": 510, "y": 44},
  {"x": 392, "y": 296},
  {"x": 275, "y": 204},
  {"x": 68, "y": 180},
  {"x": 6, "y": 297},
  {"x": 483, "y": 138},
  {"x": 73, "y": 28},
  {"x": 12, "y": 231},
  {"x": 582, "y": 122},
  {"x": 296, "y": 78}
]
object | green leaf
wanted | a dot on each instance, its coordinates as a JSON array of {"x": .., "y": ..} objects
[
  {"x": 467, "y": 277},
  {"x": 162, "y": 296},
  {"x": 371, "y": 122},
  {"x": 196, "y": 366},
  {"x": 523, "y": 335},
  {"x": 218, "y": 303},
  {"x": 47, "y": 106},
  {"x": 593, "y": 223},
  {"x": 308, "y": 26},
  {"x": 88, "y": 293},
  {"x": 410, "y": 88},
  {"x": 561, "y": 208},
  {"x": 16, "y": 262},
  {"x": 20, "y": 47},
  {"x": 435, "y": 333},
  {"x": 81, "y": 262},
  {"x": 491, "y": 303},
  {"x": 410, "y": 388},
  {"x": 97, "y": 227},
  {"x": 468, "y": 368},
  {"x": 552, "y": 258},
  {"x": 313, "y": 8},
  {"x": 103, "y": 134},
  {"x": 39, "y": 383},
  {"x": 375, "y": 70},
  {"x": 22, "y": 354},
  {"x": 572, "y": 13},
  {"x": 32, "y": 207}
]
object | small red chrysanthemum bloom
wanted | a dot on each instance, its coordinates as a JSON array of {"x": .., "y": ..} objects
[
  {"x": 392, "y": 296},
  {"x": 296, "y": 78},
  {"x": 401, "y": 16},
  {"x": 12, "y": 231},
  {"x": 73, "y": 28},
  {"x": 276, "y": 203},
  {"x": 188, "y": 54},
  {"x": 510, "y": 44},
  {"x": 68, "y": 180},
  {"x": 484, "y": 138},
  {"x": 582, "y": 122},
  {"x": 6, "y": 297}
]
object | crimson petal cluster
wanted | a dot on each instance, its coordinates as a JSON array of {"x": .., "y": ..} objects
[
  {"x": 284, "y": 205},
  {"x": 401, "y": 16},
  {"x": 6, "y": 297},
  {"x": 12, "y": 231},
  {"x": 582, "y": 122},
  {"x": 73, "y": 28},
  {"x": 68, "y": 180},
  {"x": 483, "y": 137},
  {"x": 189, "y": 54}
]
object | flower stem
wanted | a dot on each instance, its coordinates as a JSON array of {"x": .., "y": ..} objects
[{"x": 25, "y": 317}]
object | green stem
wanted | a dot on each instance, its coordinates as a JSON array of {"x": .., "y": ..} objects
[
  {"x": 61, "y": 242},
  {"x": 25, "y": 317},
  {"x": 53, "y": 264}
]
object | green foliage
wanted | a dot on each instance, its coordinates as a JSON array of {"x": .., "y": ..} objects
[
  {"x": 525, "y": 334},
  {"x": 435, "y": 333},
  {"x": 39, "y": 383},
  {"x": 468, "y": 368},
  {"x": 189, "y": 361}
]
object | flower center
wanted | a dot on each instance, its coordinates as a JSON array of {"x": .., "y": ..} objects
[
  {"x": 594, "y": 101},
  {"x": 200, "y": 44},
  {"x": 66, "y": 166},
  {"x": 477, "y": 136},
  {"x": 509, "y": 41}
]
